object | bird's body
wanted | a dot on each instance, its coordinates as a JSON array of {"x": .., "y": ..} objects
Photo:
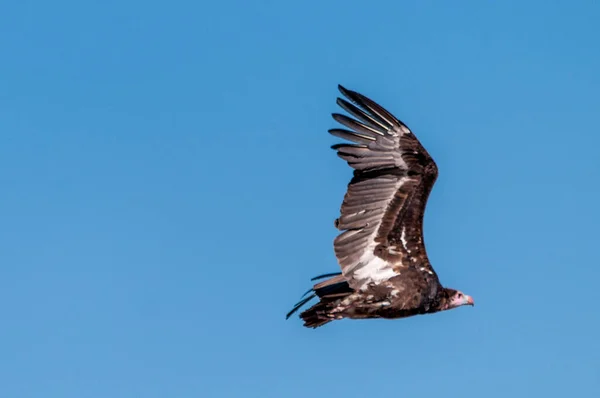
[{"x": 385, "y": 269}]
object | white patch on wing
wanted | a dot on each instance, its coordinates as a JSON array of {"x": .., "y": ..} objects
[
  {"x": 403, "y": 238},
  {"x": 372, "y": 269},
  {"x": 425, "y": 269},
  {"x": 391, "y": 250}
]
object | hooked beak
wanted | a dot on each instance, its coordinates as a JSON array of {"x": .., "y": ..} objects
[{"x": 470, "y": 301}]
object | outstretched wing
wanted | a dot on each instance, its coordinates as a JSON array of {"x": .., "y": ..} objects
[{"x": 382, "y": 212}]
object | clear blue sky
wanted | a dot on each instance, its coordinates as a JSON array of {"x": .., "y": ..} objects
[{"x": 168, "y": 191}]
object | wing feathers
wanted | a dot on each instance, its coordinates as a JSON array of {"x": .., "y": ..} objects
[
  {"x": 358, "y": 220},
  {"x": 358, "y": 126},
  {"x": 389, "y": 165},
  {"x": 350, "y": 237},
  {"x": 370, "y": 120},
  {"x": 374, "y": 108},
  {"x": 352, "y": 136}
]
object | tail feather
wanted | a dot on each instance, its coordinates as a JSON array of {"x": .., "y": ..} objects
[
  {"x": 329, "y": 292},
  {"x": 318, "y": 315},
  {"x": 337, "y": 282},
  {"x": 338, "y": 278},
  {"x": 300, "y": 304}
]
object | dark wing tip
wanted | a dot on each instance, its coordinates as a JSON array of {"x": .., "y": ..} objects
[{"x": 351, "y": 95}]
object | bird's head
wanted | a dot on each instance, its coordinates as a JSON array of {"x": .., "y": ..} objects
[{"x": 455, "y": 298}]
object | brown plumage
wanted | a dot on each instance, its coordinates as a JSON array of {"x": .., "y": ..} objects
[{"x": 385, "y": 269}]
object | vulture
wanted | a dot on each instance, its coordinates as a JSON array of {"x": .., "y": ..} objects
[{"x": 385, "y": 271}]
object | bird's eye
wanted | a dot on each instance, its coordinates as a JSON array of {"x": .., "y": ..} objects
[{"x": 459, "y": 295}]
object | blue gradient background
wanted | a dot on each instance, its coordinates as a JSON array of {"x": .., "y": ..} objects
[{"x": 168, "y": 190}]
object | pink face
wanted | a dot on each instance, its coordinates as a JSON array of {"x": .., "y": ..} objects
[{"x": 459, "y": 299}]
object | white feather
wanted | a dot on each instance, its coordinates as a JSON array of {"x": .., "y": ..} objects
[
  {"x": 403, "y": 239},
  {"x": 372, "y": 269},
  {"x": 425, "y": 269}
]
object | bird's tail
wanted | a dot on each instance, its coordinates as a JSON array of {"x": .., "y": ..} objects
[
  {"x": 330, "y": 292},
  {"x": 319, "y": 314}
]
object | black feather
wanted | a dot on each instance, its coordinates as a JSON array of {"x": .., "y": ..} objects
[
  {"x": 298, "y": 305},
  {"x": 325, "y": 276}
]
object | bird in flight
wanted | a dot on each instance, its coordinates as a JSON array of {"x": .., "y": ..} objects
[{"x": 385, "y": 271}]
